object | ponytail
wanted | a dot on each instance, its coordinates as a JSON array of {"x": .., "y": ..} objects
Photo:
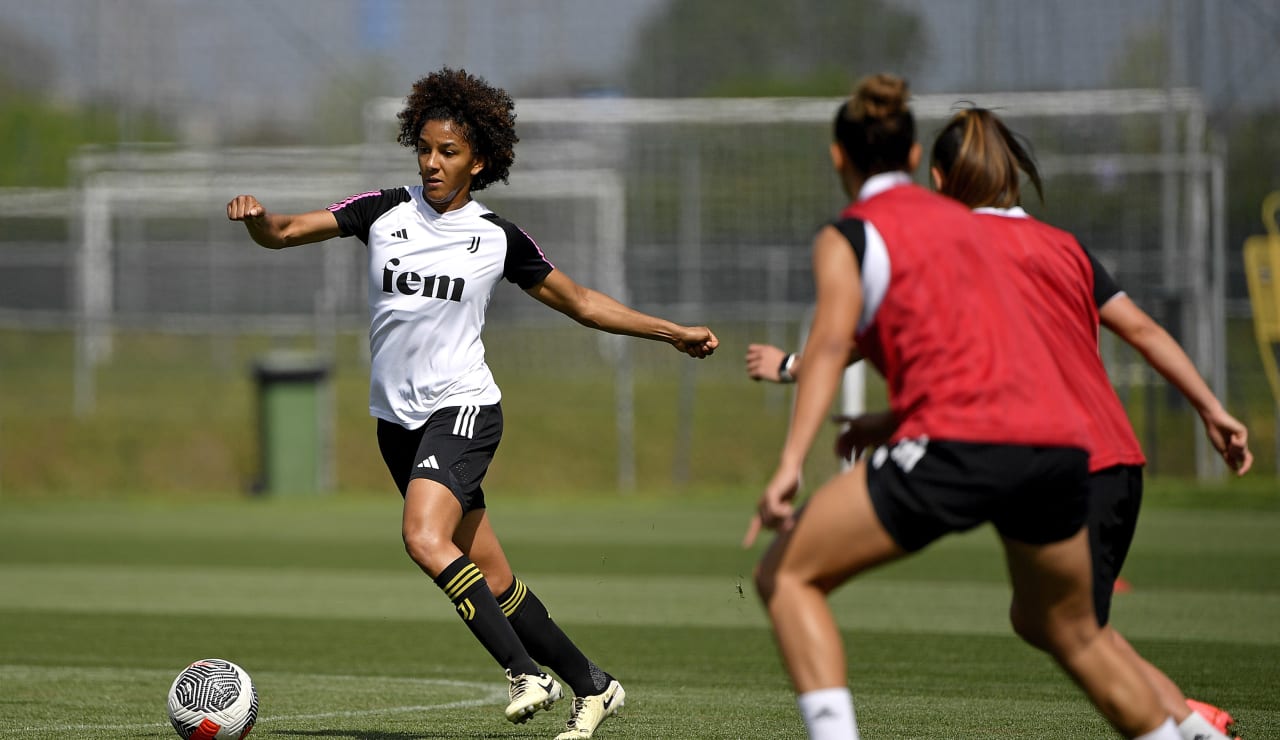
[{"x": 980, "y": 160}]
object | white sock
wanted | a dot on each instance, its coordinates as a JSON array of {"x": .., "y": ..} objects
[
  {"x": 1196, "y": 727},
  {"x": 1166, "y": 731},
  {"x": 828, "y": 714}
]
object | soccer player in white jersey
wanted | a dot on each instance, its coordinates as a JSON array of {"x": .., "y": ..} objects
[{"x": 435, "y": 256}]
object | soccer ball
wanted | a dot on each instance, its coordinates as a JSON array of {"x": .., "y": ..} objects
[{"x": 213, "y": 699}]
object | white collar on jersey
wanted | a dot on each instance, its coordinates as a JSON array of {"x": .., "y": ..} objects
[
  {"x": 1015, "y": 212},
  {"x": 877, "y": 184}
]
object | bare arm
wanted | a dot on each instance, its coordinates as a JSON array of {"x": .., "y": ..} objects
[
  {"x": 764, "y": 362},
  {"x": 1228, "y": 436},
  {"x": 280, "y": 230},
  {"x": 599, "y": 311},
  {"x": 827, "y": 352}
]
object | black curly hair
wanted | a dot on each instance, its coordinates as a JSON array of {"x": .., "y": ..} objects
[{"x": 484, "y": 113}]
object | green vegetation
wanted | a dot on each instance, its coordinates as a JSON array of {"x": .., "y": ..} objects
[
  {"x": 813, "y": 48},
  {"x": 178, "y": 415},
  {"x": 102, "y": 603},
  {"x": 40, "y": 138}
]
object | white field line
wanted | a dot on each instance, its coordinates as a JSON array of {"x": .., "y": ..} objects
[
  {"x": 495, "y": 698},
  {"x": 490, "y": 694}
]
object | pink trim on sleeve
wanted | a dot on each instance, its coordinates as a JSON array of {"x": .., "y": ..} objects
[
  {"x": 344, "y": 203},
  {"x": 541, "y": 254}
]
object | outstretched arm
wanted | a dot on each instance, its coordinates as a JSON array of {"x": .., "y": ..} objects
[
  {"x": 1227, "y": 435},
  {"x": 766, "y": 362},
  {"x": 599, "y": 311},
  {"x": 280, "y": 230},
  {"x": 826, "y": 351}
]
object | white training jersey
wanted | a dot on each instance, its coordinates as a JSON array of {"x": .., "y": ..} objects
[{"x": 431, "y": 276}]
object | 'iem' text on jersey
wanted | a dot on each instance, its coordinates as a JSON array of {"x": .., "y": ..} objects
[{"x": 431, "y": 276}]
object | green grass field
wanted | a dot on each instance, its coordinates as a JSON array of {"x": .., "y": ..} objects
[{"x": 102, "y": 603}]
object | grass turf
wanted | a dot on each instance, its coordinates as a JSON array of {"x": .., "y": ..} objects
[{"x": 102, "y": 603}]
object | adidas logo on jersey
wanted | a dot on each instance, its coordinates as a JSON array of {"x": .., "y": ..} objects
[
  {"x": 401, "y": 233},
  {"x": 430, "y": 462}
]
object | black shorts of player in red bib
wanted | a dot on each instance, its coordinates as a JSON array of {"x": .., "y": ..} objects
[
  {"x": 923, "y": 489},
  {"x": 1115, "y": 496},
  {"x": 454, "y": 448}
]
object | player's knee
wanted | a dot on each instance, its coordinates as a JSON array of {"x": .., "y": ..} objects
[
  {"x": 1032, "y": 630},
  {"x": 775, "y": 582},
  {"x": 1058, "y": 636},
  {"x": 423, "y": 544}
]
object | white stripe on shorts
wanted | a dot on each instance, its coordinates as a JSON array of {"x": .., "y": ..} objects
[{"x": 464, "y": 425}]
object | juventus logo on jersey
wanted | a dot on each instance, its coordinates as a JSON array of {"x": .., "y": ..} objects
[
  {"x": 401, "y": 233},
  {"x": 475, "y": 244}
]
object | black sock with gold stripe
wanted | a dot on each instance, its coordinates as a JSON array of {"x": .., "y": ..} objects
[
  {"x": 548, "y": 644},
  {"x": 465, "y": 586}
]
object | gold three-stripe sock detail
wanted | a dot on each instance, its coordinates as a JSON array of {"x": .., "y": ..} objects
[
  {"x": 461, "y": 583},
  {"x": 515, "y": 600}
]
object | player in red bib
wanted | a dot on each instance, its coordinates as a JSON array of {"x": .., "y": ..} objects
[
  {"x": 977, "y": 160},
  {"x": 985, "y": 431}
]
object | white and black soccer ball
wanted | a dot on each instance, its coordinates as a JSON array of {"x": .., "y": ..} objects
[{"x": 213, "y": 699}]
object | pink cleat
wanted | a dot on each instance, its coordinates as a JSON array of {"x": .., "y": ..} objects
[{"x": 1219, "y": 718}]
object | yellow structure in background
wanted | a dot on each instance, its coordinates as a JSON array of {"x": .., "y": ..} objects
[{"x": 1262, "y": 266}]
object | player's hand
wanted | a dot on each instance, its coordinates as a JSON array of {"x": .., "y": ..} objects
[
  {"x": 862, "y": 431},
  {"x": 1230, "y": 438},
  {"x": 776, "y": 509},
  {"x": 245, "y": 208},
  {"x": 854, "y": 437},
  {"x": 763, "y": 361},
  {"x": 696, "y": 341}
]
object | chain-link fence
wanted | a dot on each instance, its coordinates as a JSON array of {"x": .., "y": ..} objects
[{"x": 700, "y": 210}]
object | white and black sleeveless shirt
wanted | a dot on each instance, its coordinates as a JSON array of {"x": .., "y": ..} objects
[{"x": 431, "y": 276}]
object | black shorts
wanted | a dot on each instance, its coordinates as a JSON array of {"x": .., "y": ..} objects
[
  {"x": 1115, "y": 495},
  {"x": 454, "y": 448},
  {"x": 923, "y": 489}
]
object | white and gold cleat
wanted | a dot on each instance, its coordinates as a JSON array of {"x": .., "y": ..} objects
[
  {"x": 590, "y": 711},
  {"x": 531, "y": 692}
]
